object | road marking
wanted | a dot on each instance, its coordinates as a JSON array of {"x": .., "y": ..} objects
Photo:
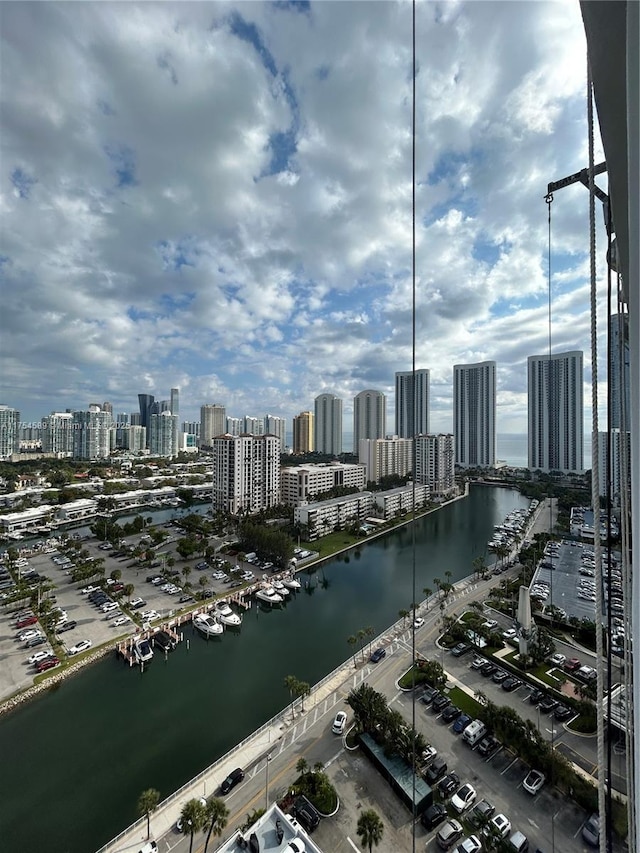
[
  {"x": 352, "y": 844},
  {"x": 508, "y": 767}
]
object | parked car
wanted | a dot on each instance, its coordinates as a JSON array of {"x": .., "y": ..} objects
[
  {"x": 499, "y": 676},
  {"x": 38, "y": 640},
  {"x": 481, "y": 813},
  {"x": 488, "y": 669},
  {"x": 499, "y": 825},
  {"x": 429, "y": 695},
  {"x": 339, "y": 723},
  {"x": 26, "y": 621},
  {"x": 509, "y": 634},
  {"x": 548, "y": 704},
  {"x": 591, "y": 830},
  {"x": 49, "y": 663},
  {"x": 29, "y": 635},
  {"x": 82, "y": 646},
  {"x": 510, "y": 684},
  {"x": 460, "y": 649},
  {"x": 439, "y": 703},
  {"x": 563, "y": 712},
  {"x": 66, "y": 626},
  {"x": 418, "y": 622},
  {"x": 450, "y": 713},
  {"x": 557, "y": 659},
  {"x": 38, "y": 656},
  {"x": 536, "y": 696},
  {"x": 235, "y": 777},
  {"x": 449, "y": 834},
  {"x": 534, "y": 780},
  {"x": 471, "y": 844},
  {"x": 461, "y": 723},
  {"x": 377, "y": 655},
  {"x": 433, "y": 816},
  {"x": 448, "y": 784},
  {"x": 436, "y": 771},
  {"x": 137, "y": 603},
  {"x": 306, "y": 813},
  {"x": 464, "y": 798},
  {"x": 478, "y": 662},
  {"x": 488, "y": 745}
]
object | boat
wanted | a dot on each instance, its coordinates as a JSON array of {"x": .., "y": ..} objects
[
  {"x": 280, "y": 588},
  {"x": 163, "y": 640},
  {"x": 268, "y": 594},
  {"x": 207, "y": 625},
  {"x": 226, "y": 615},
  {"x": 142, "y": 651},
  {"x": 292, "y": 582}
]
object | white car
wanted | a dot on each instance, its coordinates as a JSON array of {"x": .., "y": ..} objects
[
  {"x": 82, "y": 646},
  {"x": 419, "y": 622},
  {"x": 135, "y": 602},
  {"x": 339, "y": 723},
  {"x": 87, "y": 589},
  {"x": 121, "y": 620},
  {"x": 148, "y": 615},
  {"x": 534, "y": 780},
  {"x": 499, "y": 825},
  {"x": 464, "y": 799},
  {"x": 109, "y": 606},
  {"x": 558, "y": 659},
  {"x": 296, "y": 845},
  {"x": 38, "y": 656},
  {"x": 471, "y": 844},
  {"x": 29, "y": 635},
  {"x": 510, "y": 634}
]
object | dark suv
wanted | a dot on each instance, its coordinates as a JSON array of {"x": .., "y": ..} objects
[
  {"x": 232, "y": 780},
  {"x": 306, "y": 813},
  {"x": 436, "y": 771}
]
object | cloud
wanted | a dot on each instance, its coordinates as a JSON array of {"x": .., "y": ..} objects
[{"x": 219, "y": 197}]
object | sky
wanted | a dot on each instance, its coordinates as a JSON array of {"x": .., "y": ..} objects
[{"x": 217, "y": 197}]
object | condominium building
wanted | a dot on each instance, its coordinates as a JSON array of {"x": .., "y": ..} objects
[
  {"x": 274, "y": 425},
  {"x": 300, "y": 483},
  {"x": 253, "y": 426},
  {"x": 213, "y": 422},
  {"x": 335, "y": 514},
  {"x": 434, "y": 462},
  {"x": 412, "y": 403},
  {"x": 235, "y": 426},
  {"x": 9, "y": 431},
  {"x": 328, "y": 424},
  {"x": 474, "y": 414},
  {"x": 57, "y": 434},
  {"x": 134, "y": 438},
  {"x": 400, "y": 500},
  {"x": 555, "y": 389},
  {"x": 146, "y": 402},
  {"x": 92, "y": 433},
  {"x": 613, "y": 478},
  {"x": 174, "y": 405},
  {"x": 246, "y": 473},
  {"x": 369, "y": 416},
  {"x": 303, "y": 433},
  {"x": 163, "y": 440},
  {"x": 384, "y": 457}
]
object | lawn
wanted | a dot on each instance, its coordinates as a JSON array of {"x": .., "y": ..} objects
[{"x": 467, "y": 704}]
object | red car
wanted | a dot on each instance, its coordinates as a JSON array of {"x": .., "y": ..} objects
[
  {"x": 48, "y": 663},
  {"x": 25, "y": 621},
  {"x": 572, "y": 664}
]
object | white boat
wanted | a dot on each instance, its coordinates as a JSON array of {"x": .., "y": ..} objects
[
  {"x": 281, "y": 589},
  {"x": 226, "y": 615},
  {"x": 207, "y": 625},
  {"x": 142, "y": 651},
  {"x": 292, "y": 582},
  {"x": 269, "y": 596}
]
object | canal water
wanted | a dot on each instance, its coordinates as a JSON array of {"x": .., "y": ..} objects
[{"x": 75, "y": 760}]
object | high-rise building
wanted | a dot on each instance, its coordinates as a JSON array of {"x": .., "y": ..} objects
[
  {"x": 57, "y": 434},
  {"x": 301, "y": 483},
  {"x": 303, "y": 433},
  {"x": 235, "y": 426},
  {"x": 174, "y": 404},
  {"x": 246, "y": 473},
  {"x": 92, "y": 431},
  {"x": 619, "y": 371},
  {"x": 412, "y": 418},
  {"x": 328, "y": 424},
  {"x": 107, "y": 407},
  {"x": 253, "y": 426},
  {"x": 434, "y": 462},
  {"x": 474, "y": 414},
  {"x": 618, "y": 452},
  {"x": 385, "y": 457},
  {"x": 369, "y": 416},
  {"x": 9, "y": 431},
  {"x": 555, "y": 390},
  {"x": 274, "y": 425},
  {"x": 191, "y": 427},
  {"x": 134, "y": 438},
  {"x": 164, "y": 428},
  {"x": 146, "y": 403},
  {"x": 213, "y": 421}
]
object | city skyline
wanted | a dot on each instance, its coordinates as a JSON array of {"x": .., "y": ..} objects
[{"x": 267, "y": 256}]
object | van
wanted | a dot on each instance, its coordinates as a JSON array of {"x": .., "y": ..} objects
[
  {"x": 519, "y": 842},
  {"x": 474, "y": 733}
]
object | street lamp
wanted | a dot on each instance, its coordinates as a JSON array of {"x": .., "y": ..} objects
[{"x": 266, "y": 790}]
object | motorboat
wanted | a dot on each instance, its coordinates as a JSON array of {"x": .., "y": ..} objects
[
  {"x": 292, "y": 582},
  {"x": 268, "y": 594},
  {"x": 142, "y": 651},
  {"x": 280, "y": 588},
  {"x": 226, "y": 615},
  {"x": 163, "y": 640},
  {"x": 207, "y": 625}
]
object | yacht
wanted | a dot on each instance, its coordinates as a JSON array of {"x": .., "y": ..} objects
[
  {"x": 280, "y": 588},
  {"x": 142, "y": 651},
  {"x": 292, "y": 582},
  {"x": 207, "y": 625},
  {"x": 268, "y": 594},
  {"x": 226, "y": 615}
]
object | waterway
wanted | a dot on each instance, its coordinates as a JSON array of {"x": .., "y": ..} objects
[{"x": 75, "y": 760}]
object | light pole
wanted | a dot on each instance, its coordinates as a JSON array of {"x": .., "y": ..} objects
[{"x": 266, "y": 789}]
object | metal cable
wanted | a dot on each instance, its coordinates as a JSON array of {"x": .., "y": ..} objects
[
  {"x": 415, "y": 412},
  {"x": 595, "y": 467}
]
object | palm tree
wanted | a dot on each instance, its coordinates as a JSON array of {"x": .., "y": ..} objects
[
  {"x": 352, "y": 641},
  {"x": 370, "y": 828},
  {"x": 301, "y": 690},
  {"x": 147, "y": 802},
  {"x": 217, "y": 814},
  {"x": 427, "y": 592},
  {"x": 291, "y": 683},
  {"x": 193, "y": 818},
  {"x": 403, "y": 615}
]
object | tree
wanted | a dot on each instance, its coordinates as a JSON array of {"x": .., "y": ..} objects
[
  {"x": 193, "y": 818},
  {"x": 302, "y": 689},
  {"x": 291, "y": 683},
  {"x": 147, "y": 802},
  {"x": 128, "y": 590},
  {"x": 203, "y": 580},
  {"x": 403, "y": 615},
  {"x": 217, "y": 815},
  {"x": 352, "y": 640},
  {"x": 427, "y": 592},
  {"x": 370, "y": 828}
]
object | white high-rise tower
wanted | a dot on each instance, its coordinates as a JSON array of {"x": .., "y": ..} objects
[
  {"x": 474, "y": 414},
  {"x": 555, "y": 387},
  {"x": 412, "y": 403}
]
